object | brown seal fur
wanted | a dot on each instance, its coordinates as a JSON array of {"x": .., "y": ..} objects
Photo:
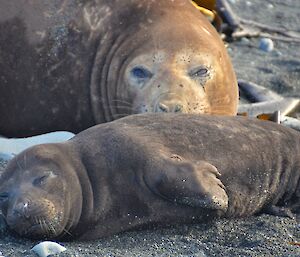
[
  {"x": 151, "y": 169},
  {"x": 68, "y": 65}
]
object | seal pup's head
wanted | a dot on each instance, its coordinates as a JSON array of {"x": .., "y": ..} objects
[{"x": 36, "y": 197}]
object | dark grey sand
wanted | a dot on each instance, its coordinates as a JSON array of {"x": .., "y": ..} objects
[
  {"x": 256, "y": 236},
  {"x": 280, "y": 69}
]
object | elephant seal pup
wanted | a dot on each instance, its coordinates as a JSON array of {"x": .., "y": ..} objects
[
  {"x": 68, "y": 65},
  {"x": 151, "y": 169}
]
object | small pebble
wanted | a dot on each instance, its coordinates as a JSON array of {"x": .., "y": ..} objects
[
  {"x": 245, "y": 41},
  {"x": 232, "y": 1},
  {"x": 266, "y": 44},
  {"x": 47, "y": 248},
  {"x": 277, "y": 53},
  {"x": 270, "y": 6}
]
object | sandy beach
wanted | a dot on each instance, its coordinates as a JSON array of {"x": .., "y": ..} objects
[{"x": 262, "y": 235}]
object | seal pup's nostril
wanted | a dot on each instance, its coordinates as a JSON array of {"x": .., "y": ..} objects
[{"x": 21, "y": 209}]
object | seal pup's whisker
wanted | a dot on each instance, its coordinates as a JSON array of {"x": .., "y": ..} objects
[
  {"x": 51, "y": 228},
  {"x": 42, "y": 224},
  {"x": 67, "y": 232},
  {"x": 47, "y": 227},
  {"x": 35, "y": 220}
]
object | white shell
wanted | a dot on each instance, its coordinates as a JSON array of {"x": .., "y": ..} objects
[
  {"x": 47, "y": 248},
  {"x": 266, "y": 44}
]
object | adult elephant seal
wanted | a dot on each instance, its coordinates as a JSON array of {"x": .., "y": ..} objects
[
  {"x": 68, "y": 65},
  {"x": 151, "y": 169}
]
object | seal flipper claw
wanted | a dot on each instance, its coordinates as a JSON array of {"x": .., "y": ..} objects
[{"x": 183, "y": 182}]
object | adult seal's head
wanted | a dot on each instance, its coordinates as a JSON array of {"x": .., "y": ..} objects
[
  {"x": 80, "y": 63},
  {"x": 164, "y": 57}
]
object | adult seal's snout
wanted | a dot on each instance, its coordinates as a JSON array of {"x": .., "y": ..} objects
[
  {"x": 170, "y": 103},
  {"x": 169, "y": 107},
  {"x": 71, "y": 65}
]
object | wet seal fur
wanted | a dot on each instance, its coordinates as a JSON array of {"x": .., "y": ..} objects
[
  {"x": 68, "y": 65},
  {"x": 152, "y": 169}
]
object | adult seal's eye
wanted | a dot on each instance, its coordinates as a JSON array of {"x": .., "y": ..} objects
[
  {"x": 199, "y": 72},
  {"x": 139, "y": 76},
  {"x": 141, "y": 73}
]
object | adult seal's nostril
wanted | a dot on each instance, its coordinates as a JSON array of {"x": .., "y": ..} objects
[
  {"x": 163, "y": 108},
  {"x": 169, "y": 107},
  {"x": 178, "y": 108}
]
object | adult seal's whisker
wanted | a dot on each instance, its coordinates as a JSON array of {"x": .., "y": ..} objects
[
  {"x": 121, "y": 101},
  {"x": 124, "y": 107}
]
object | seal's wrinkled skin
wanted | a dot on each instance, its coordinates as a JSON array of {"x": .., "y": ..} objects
[
  {"x": 152, "y": 169},
  {"x": 68, "y": 65}
]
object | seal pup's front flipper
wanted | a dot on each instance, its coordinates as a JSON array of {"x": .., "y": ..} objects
[{"x": 183, "y": 182}]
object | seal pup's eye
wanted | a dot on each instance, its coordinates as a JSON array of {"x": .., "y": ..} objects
[
  {"x": 199, "y": 72},
  {"x": 3, "y": 197},
  {"x": 42, "y": 180}
]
